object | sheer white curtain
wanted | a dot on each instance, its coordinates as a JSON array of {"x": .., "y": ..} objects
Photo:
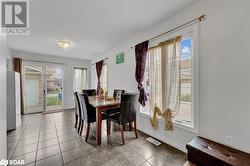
[
  {"x": 80, "y": 79},
  {"x": 171, "y": 75},
  {"x": 104, "y": 78},
  {"x": 164, "y": 81},
  {"x": 155, "y": 75}
]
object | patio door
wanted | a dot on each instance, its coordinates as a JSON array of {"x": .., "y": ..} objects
[
  {"x": 42, "y": 86},
  {"x": 33, "y": 88},
  {"x": 53, "y": 87}
]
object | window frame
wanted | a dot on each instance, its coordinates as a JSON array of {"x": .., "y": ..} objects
[{"x": 185, "y": 32}]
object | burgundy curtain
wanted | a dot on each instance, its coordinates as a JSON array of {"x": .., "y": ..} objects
[
  {"x": 140, "y": 56},
  {"x": 17, "y": 67},
  {"x": 99, "y": 66}
]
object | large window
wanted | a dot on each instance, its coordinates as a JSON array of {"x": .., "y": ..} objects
[
  {"x": 80, "y": 79},
  {"x": 185, "y": 114}
]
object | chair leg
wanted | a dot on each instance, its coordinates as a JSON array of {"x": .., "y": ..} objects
[
  {"x": 122, "y": 135},
  {"x": 82, "y": 127},
  {"x": 87, "y": 132},
  {"x": 124, "y": 127},
  {"x": 108, "y": 126},
  {"x": 76, "y": 120},
  {"x": 130, "y": 126},
  {"x": 135, "y": 128}
]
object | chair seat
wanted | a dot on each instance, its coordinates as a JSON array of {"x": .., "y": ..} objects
[
  {"x": 111, "y": 112},
  {"x": 93, "y": 119},
  {"x": 92, "y": 115},
  {"x": 115, "y": 118}
]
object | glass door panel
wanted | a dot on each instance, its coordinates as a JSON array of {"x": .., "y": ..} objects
[
  {"x": 33, "y": 89},
  {"x": 53, "y": 87},
  {"x": 42, "y": 86}
]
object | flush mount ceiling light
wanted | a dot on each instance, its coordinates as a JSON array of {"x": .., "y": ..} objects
[{"x": 63, "y": 43}]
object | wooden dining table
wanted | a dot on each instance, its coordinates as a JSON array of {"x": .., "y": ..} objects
[{"x": 101, "y": 105}]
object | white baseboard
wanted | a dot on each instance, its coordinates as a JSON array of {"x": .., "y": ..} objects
[
  {"x": 169, "y": 142},
  {"x": 69, "y": 107}
]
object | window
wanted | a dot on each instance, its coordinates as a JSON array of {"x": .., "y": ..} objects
[
  {"x": 80, "y": 79},
  {"x": 104, "y": 77},
  {"x": 185, "y": 115}
]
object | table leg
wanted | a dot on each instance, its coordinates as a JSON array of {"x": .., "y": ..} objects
[{"x": 99, "y": 126}]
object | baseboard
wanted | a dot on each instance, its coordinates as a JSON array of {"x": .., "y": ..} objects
[
  {"x": 169, "y": 142},
  {"x": 69, "y": 108}
]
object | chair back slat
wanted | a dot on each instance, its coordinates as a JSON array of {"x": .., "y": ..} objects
[
  {"x": 77, "y": 104},
  {"x": 89, "y": 92},
  {"x": 129, "y": 107},
  {"x": 117, "y": 91},
  {"x": 83, "y": 104}
]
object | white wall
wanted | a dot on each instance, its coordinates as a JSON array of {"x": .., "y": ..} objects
[
  {"x": 3, "y": 55},
  {"x": 224, "y": 65},
  {"x": 68, "y": 63}
]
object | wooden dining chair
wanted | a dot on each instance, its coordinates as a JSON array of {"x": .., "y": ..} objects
[
  {"x": 77, "y": 111},
  {"x": 88, "y": 113},
  {"x": 117, "y": 94},
  {"x": 128, "y": 109},
  {"x": 89, "y": 92}
]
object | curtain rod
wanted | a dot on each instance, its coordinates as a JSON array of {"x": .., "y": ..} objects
[
  {"x": 100, "y": 60},
  {"x": 199, "y": 19}
]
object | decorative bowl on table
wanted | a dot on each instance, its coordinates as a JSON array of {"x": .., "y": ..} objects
[
  {"x": 101, "y": 96},
  {"x": 110, "y": 98}
]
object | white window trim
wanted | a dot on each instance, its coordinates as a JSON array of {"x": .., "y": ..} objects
[{"x": 195, "y": 74}]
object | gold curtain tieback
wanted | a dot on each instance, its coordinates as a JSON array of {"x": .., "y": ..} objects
[{"x": 167, "y": 115}]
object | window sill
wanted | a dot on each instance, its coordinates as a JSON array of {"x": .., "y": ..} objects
[{"x": 179, "y": 125}]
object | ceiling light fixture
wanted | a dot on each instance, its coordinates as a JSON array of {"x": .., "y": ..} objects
[{"x": 63, "y": 43}]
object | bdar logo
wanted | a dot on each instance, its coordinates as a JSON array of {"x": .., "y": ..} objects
[{"x": 4, "y": 162}]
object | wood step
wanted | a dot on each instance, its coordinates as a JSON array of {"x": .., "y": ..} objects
[{"x": 204, "y": 152}]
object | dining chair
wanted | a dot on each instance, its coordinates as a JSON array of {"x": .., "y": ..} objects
[
  {"x": 128, "y": 108},
  {"x": 77, "y": 110},
  {"x": 88, "y": 113},
  {"x": 116, "y": 92},
  {"x": 89, "y": 92}
]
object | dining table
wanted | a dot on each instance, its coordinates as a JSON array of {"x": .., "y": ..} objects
[{"x": 102, "y": 104}]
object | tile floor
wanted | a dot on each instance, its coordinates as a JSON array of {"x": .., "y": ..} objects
[{"x": 52, "y": 140}]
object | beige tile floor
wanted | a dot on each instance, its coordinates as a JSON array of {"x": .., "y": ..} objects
[{"x": 52, "y": 140}]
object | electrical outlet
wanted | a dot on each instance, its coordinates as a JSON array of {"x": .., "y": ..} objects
[{"x": 229, "y": 140}]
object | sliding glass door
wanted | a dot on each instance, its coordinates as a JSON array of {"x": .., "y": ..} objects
[
  {"x": 33, "y": 88},
  {"x": 53, "y": 87},
  {"x": 43, "y": 87}
]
